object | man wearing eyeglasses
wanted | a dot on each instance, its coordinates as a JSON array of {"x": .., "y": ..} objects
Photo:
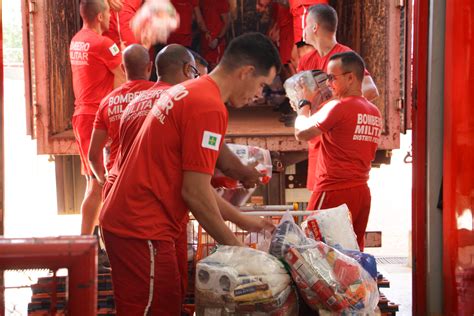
[
  {"x": 349, "y": 128},
  {"x": 320, "y": 32}
]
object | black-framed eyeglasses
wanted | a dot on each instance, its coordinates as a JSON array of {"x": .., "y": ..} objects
[
  {"x": 332, "y": 77},
  {"x": 194, "y": 72}
]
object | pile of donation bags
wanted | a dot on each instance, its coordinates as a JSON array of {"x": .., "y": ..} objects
[{"x": 327, "y": 275}]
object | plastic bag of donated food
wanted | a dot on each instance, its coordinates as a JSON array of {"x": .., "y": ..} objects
[
  {"x": 231, "y": 189},
  {"x": 331, "y": 280},
  {"x": 286, "y": 235},
  {"x": 239, "y": 279},
  {"x": 333, "y": 226},
  {"x": 314, "y": 81}
]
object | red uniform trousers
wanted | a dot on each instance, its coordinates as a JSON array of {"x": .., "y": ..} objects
[
  {"x": 212, "y": 56},
  {"x": 182, "y": 255},
  {"x": 82, "y": 126},
  {"x": 145, "y": 276},
  {"x": 357, "y": 200}
]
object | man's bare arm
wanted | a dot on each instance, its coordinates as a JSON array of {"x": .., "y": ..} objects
[
  {"x": 200, "y": 198},
  {"x": 98, "y": 140},
  {"x": 305, "y": 125},
  {"x": 119, "y": 76},
  {"x": 369, "y": 89}
]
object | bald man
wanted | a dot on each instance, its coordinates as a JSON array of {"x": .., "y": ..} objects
[
  {"x": 137, "y": 67},
  {"x": 95, "y": 63}
]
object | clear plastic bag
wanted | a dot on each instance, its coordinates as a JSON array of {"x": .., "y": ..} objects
[
  {"x": 330, "y": 280},
  {"x": 286, "y": 235},
  {"x": 310, "y": 80},
  {"x": 260, "y": 241},
  {"x": 325, "y": 277},
  {"x": 367, "y": 261},
  {"x": 232, "y": 190},
  {"x": 154, "y": 22},
  {"x": 242, "y": 281},
  {"x": 332, "y": 226}
]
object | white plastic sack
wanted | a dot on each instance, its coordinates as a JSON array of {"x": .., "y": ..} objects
[{"x": 332, "y": 226}]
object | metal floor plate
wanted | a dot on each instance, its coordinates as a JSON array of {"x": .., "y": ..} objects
[{"x": 392, "y": 260}]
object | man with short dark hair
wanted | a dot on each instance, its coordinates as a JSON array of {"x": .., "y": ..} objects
[
  {"x": 95, "y": 62},
  {"x": 350, "y": 128},
  {"x": 137, "y": 67},
  {"x": 167, "y": 172},
  {"x": 320, "y": 32}
]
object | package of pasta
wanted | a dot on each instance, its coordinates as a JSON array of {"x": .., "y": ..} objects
[
  {"x": 328, "y": 279},
  {"x": 242, "y": 281},
  {"x": 332, "y": 226}
]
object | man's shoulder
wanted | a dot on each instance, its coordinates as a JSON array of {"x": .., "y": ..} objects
[
  {"x": 310, "y": 57},
  {"x": 340, "y": 48}
]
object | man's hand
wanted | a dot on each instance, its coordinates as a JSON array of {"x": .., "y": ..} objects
[
  {"x": 250, "y": 176},
  {"x": 116, "y": 5},
  {"x": 304, "y": 93},
  {"x": 256, "y": 224}
]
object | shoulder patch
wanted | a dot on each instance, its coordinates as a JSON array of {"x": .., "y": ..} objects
[
  {"x": 211, "y": 140},
  {"x": 114, "y": 50}
]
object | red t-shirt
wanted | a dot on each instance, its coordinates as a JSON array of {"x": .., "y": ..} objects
[
  {"x": 299, "y": 10},
  {"x": 312, "y": 61},
  {"x": 351, "y": 131},
  {"x": 130, "y": 123},
  {"x": 183, "y": 132},
  {"x": 211, "y": 13},
  {"x": 110, "y": 111},
  {"x": 93, "y": 57},
  {"x": 183, "y": 34},
  {"x": 119, "y": 27}
]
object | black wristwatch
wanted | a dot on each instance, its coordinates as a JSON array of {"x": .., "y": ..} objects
[{"x": 303, "y": 103}]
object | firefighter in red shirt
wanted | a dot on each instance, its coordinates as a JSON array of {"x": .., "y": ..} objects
[
  {"x": 95, "y": 62},
  {"x": 216, "y": 23},
  {"x": 167, "y": 172},
  {"x": 186, "y": 9},
  {"x": 121, "y": 14},
  {"x": 350, "y": 128},
  {"x": 137, "y": 67},
  {"x": 320, "y": 32}
]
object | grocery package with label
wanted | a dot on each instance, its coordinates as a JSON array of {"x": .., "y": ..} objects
[
  {"x": 232, "y": 190},
  {"x": 332, "y": 226},
  {"x": 326, "y": 278},
  {"x": 314, "y": 81},
  {"x": 243, "y": 281}
]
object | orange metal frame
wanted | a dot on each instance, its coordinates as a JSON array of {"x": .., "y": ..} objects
[{"x": 77, "y": 254}]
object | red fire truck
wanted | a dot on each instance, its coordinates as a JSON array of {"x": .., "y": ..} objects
[{"x": 419, "y": 52}]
